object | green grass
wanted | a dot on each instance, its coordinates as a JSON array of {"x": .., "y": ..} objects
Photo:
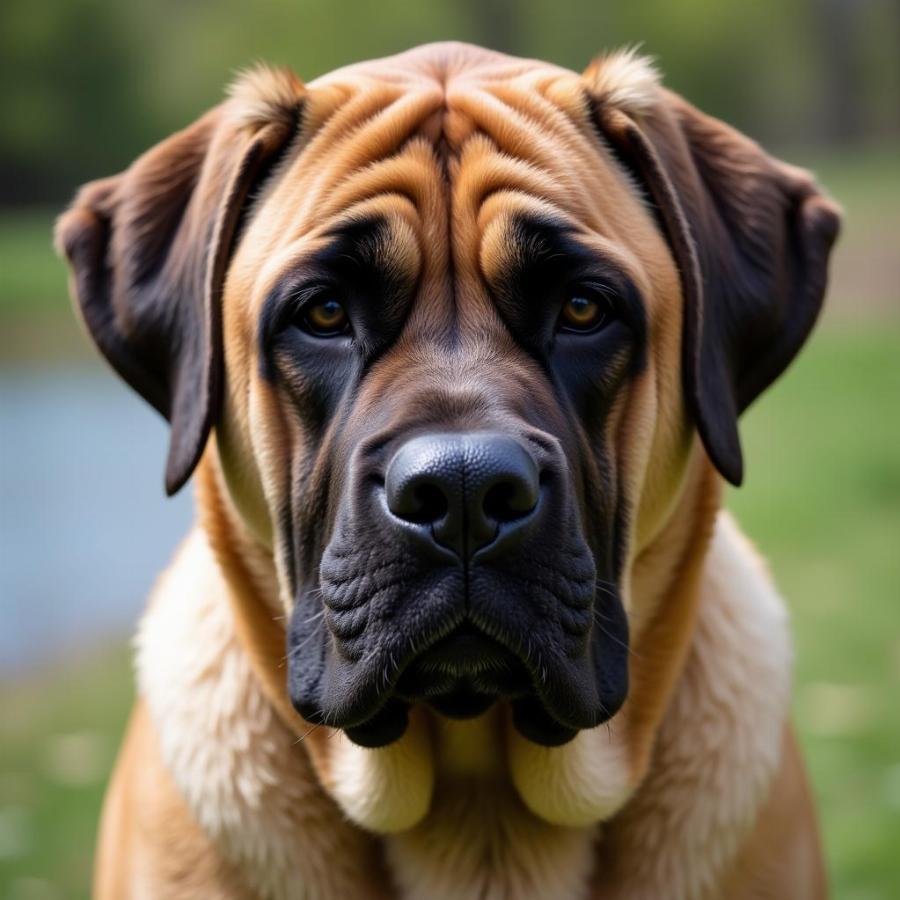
[
  {"x": 59, "y": 739},
  {"x": 822, "y": 501}
]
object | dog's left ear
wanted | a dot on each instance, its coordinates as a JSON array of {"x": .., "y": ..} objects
[
  {"x": 149, "y": 249},
  {"x": 751, "y": 237}
]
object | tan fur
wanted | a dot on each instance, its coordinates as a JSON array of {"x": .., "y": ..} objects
[
  {"x": 262, "y": 95},
  {"x": 222, "y": 790},
  {"x": 626, "y": 80}
]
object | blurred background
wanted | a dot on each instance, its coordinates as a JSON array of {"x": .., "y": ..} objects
[{"x": 86, "y": 85}]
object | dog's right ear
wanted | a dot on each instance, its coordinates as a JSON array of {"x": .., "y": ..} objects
[
  {"x": 149, "y": 249},
  {"x": 751, "y": 237}
]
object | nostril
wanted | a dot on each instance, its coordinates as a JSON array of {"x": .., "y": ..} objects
[
  {"x": 464, "y": 487},
  {"x": 428, "y": 504},
  {"x": 508, "y": 501}
]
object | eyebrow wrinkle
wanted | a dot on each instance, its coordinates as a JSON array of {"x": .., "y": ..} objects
[
  {"x": 536, "y": 246},
  {"x": 361, "y": 252},
  {"x": 541, "y": 245},
  {"x": 543, "y": 253},
  {"x": 368, "y": 246},
  {"x": 356, "y": 240}
]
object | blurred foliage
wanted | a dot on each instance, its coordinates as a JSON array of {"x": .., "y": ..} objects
[{"x": 85, "y": 85}]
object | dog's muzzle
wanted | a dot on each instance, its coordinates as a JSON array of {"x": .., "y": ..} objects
[{"x": 454, "y": 580}]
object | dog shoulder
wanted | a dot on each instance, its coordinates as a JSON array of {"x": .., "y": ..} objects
[
  {"x": 720, "y": 747},
  {"x": 781, "y": 856},
  {"x": 728, "y": 719},
  {"x": 149, "y": 844},
  {"x": 743, "y": 616},
  {"x": 241, "y": 774}
]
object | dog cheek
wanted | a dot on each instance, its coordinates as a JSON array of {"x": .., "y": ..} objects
[
  {"x": 242, "y": 479},
  {"x": 656, "y": 473},
  {"x": 248, "y": 437}
]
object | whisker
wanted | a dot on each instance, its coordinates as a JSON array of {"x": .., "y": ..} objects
[
  {"x": 294, "y": 650},
  {"x": 607, "y": 588},
  {"x": 306, "y": 734},
  {"x": 615, "y": 638},
  {"x": 318, "y": 615}
]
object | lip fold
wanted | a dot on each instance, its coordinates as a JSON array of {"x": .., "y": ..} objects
[
  {"x": 363, "y": 660},
  {"x": 461, "y": 674}
]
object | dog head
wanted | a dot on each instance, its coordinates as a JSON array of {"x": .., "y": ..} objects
[{"x": 458, "y": 321}]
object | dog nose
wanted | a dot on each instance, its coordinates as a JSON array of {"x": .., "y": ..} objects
[{"x": 466, "y": 491}]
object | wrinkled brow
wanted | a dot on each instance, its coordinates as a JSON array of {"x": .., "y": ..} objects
[
  {"x": 372, "y": 256},
  {"x": 541, "y": 256},
  {"x": 368, "y": 246}
]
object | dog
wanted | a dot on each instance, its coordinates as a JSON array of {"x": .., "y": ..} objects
[{"x": 455, "y": 345}]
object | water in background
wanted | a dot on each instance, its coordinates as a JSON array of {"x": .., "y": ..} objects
[{"x": 85, "y": 526}]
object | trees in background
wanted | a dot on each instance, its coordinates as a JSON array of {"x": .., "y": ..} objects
[{"x": 85, "y": 85}]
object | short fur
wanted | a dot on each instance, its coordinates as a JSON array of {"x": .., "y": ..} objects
[{"x": 694, "y": 788}]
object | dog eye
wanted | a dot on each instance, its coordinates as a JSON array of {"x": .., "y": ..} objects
[
  {"x": 326, "y": 318},
  {"x": 584, "y": 312}
]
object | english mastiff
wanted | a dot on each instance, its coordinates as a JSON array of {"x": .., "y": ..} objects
[{"x": 455, "y": 345}]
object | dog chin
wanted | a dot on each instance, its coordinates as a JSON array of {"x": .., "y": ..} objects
[
  {"x": 442, "y": 657},
  {"x": 530, "y": 718},
  {"x": 389, "y": 789},
  {"x": 548, "y": 712}
]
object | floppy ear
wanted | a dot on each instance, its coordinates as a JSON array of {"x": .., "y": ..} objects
[
  {"x": 149, "y": 248},
  {"x": 751, "y": 237}
]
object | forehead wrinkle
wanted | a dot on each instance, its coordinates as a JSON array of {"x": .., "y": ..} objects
[
  {"x": 533, "y": 135},
  {"x": 410, "y": 174},
  {"x": 545, "y": 123},
  {"x": 370, "y": 128},
  {"x": 558, "y": 129},
  {"x": 539, "y": 106},
  {"x": 513, "y": 205},
  {"x": 483, "y": 171},
  {"x": 524, "y": 123},
  {"x": 526, "y": 107},
  {"x": 506, "y": 247},
  {"x": 369, "y": 240},
  {"x": 396, "y": 251},
  {"x": 333, "y": 116},
  {"x": 387, "y": 131},
  {"x": 393, "y": 205},
  {"x": 379, "y": 136}
]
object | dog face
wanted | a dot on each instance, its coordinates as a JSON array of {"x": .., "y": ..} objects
[
  {"x": 457, "y": 320},
  {"x": 454, "y": 511}
]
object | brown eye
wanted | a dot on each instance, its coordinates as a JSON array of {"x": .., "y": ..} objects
[
  {"x": 327, "y": 318},
  {"x": 582, "y": 313}
]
